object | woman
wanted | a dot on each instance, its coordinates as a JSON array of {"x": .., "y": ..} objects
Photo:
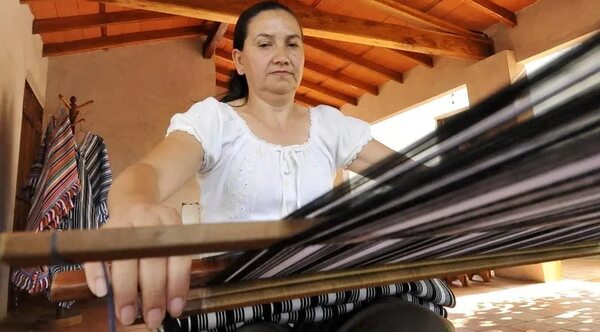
[{"x": 259, "y": 155}]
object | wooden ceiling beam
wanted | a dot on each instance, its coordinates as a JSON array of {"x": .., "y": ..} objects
[
  {"x": 329, "y": 92},
  {"x": 419, "y": 58},
  {"x": 329, "y": 26},
  {"x": 136, "y": 16},
  {"x": 95, "y": 20},
  {"x": 353, "y": 59},
  {"x": 86, "y": 45},
  {"x": 411, "y": 15},
  {"x": 311, "y": 102},
  {"x": 344, "y": 98},
  {"x": 341, "y": 78},
  {"x": 500, "y": 13},
  {"x": 222, "y": 84},
  {"x": 212, "y": 40},
  {"x": 103, "y": 28}
]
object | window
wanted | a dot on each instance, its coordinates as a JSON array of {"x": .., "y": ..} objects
[
  {"x": 534, "y": 66},
  {"x": 399, "y": 131}
]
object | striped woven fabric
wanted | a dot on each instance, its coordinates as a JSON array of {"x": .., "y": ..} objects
[
  {"x": 90, "y": 210},
  {"x": 53, "y": 183},
  {"x": 318, "y": 308},
  {"x": 58, "y": 182}
]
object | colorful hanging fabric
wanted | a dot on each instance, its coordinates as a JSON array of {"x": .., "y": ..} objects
[
  {"x": 52, "y": 184},
  {"x": 58, "y": 182},
  {"x": 91, "y": 210}
]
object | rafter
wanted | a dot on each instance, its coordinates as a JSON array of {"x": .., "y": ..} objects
[
  {"x": 212, "y": 40},
  {"x": 330, "y": 26},
  {"x": 103, "y": 28},
  {"x": 409, "y": 14},
  {"x": 94, "y": 20},
  {"x": 500, "y": 13},
  {"x": 128, "y": 39},
  {"x": 422, "y": 59},
  {"x": 322, "y": 70},
  {"x": 329, "y": 92},
  {"x": 353, "y": 58},
  {"x": 222, "y": 84},
  {"x": 309, "y": 101}
]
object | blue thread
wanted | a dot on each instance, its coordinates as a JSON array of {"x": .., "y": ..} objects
[
  {"x": 112, "y": 326},
  {"x": 57, "y": 259}
]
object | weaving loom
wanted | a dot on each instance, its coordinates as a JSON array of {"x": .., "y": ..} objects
[{"x": 492, "y": 196}]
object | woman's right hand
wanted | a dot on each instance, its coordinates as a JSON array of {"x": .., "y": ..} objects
[
  {"x": 133, "y": 202},
  {"x": 163, "y": 282}
]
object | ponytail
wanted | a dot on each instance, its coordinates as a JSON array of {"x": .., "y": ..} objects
[{"x": 237, "y": 88}]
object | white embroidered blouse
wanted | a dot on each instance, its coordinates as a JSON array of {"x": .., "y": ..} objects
[{"x": 244, "y": 178}]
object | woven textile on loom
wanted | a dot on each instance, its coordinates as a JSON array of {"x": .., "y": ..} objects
[{"x": 495, "y": 188}]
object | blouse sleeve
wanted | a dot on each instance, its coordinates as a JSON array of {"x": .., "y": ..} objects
[
  {"x": 204, "y": 121},
  {"x": 352, "y": 135}
]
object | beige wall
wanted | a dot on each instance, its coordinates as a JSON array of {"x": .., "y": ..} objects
[
  {"x": 20, "y": 60},
  {"x": 135, "y": 90},
  {"x": 546, "y": 25}
]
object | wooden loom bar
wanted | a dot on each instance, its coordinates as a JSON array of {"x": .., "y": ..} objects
[
  {"x": 25, "y": 248},
  {"x": 330, "y": 26},
  {"x": 245, "y": 293},
  {"x": 199, "y": 302}
]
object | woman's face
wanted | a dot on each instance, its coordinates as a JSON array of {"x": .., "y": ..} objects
[{"x": 273, "y": 55}]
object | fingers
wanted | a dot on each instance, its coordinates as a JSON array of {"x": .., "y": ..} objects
[
  {"x": 178, "y": 283},
  {"x": 163, "y": 283},
  {"x": 94, "y": 276},
  {"x": 153, "y": 281},
  {"x": 124, "y": 283},
  {"x": 178, "y": 271}
]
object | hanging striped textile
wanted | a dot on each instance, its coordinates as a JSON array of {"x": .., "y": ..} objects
[
  {"x": 319, "y": 308},
  {"x": 497, "y": 188},
  {"x": 53, "y": 183},
  {"x": 58, "y": 182},
  {"x": 90, "y": 210}
]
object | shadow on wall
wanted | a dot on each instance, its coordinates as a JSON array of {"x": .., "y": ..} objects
[{"x": 7, "y": 146}]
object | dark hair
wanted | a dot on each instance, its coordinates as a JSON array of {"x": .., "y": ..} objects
[{"x": 238, "y": 85}]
